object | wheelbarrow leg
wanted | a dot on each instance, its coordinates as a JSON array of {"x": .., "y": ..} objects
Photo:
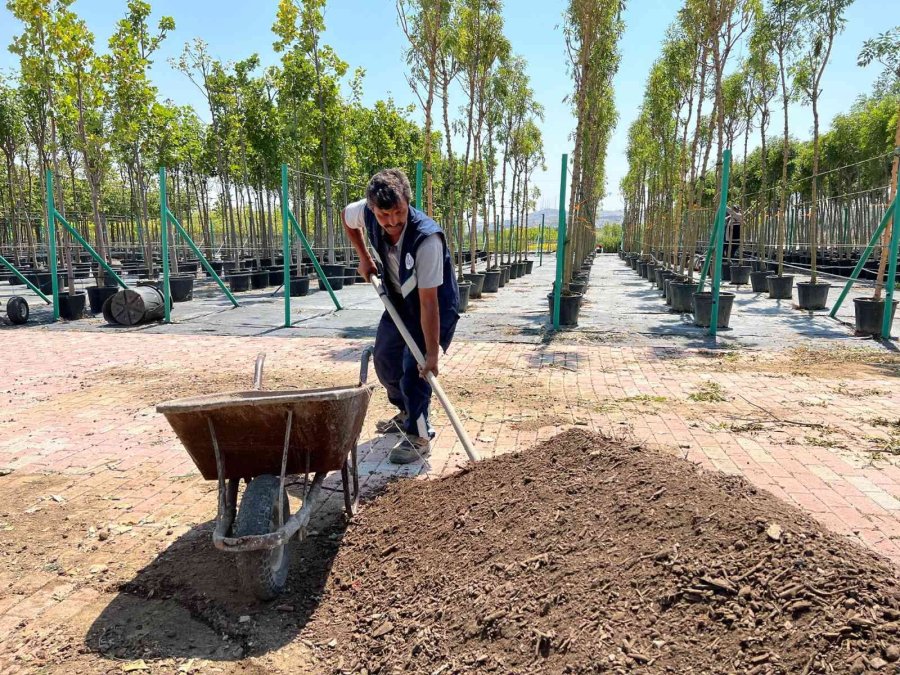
[
  {"x": 350, "y": 482},
  {"x": 227, "y": 506}
]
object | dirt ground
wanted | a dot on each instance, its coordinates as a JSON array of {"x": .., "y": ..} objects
[{"x": 513, "y": 566}]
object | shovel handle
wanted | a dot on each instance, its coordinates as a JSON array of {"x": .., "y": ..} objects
[{"x": 429, "y": 376}]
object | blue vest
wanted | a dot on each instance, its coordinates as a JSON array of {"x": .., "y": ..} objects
[{"x": 418, "y": 226}]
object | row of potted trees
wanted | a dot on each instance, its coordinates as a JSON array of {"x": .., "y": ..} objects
[
  {"x": 679, "y": 290},
  {"x": 473, "y": 284}
]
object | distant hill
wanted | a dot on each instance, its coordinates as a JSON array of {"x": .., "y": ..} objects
[{"x": 551, "y": 217}]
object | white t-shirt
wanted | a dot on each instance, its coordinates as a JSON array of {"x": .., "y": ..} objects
[{"x": 429, "y": 262}]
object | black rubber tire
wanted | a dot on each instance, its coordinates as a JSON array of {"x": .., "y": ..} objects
[
  {"x": 17, "y": 310},
  {"x": 262, "y": 573}
]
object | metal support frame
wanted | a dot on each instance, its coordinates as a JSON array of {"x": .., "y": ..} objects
[
  {"x": 541, "y": 249},
  {"x": 166, "y": 217},
  {"x": 560, "y": 243},
  {"x": 863, "y": 259},
  {"x": 892, "y": 268},
  {"x": 288, "y": 218},
  {"x": 52, "y": 217},
  {"x": 720, "y": 241}
]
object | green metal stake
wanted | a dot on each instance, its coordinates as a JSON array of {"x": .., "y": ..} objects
[
  {"x": 863, "y": 258},
  {"x": 90, "y": 249},
  {"x": 286, "y": 245},
  {"x": 24, "y": 280},
  {"x": 202, "y": 258},
  {"x": 164, "y": 236},
  {"x": 892, "y": 271},
  {"x": 560, "y": 243},
  {"x": 315, "y": 261},
  {"x": 541, "y": 250},
  {"x": 51, "y": 240},
  {"x": 419, "y": 185},
  {"x": 720, "y": 242}
]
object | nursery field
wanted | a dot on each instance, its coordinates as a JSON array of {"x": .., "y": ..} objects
[{"x": 775, "y": 465}]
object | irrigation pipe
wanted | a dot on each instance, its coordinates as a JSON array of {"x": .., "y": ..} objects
[{"x": 429, "y": 376}]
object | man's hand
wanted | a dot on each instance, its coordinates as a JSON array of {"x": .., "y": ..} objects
[
  {"x": 366, "y": 268},
  {"x": 431, "y": 365}
]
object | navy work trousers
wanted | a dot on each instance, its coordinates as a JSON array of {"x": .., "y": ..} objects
[{"x": 399, "y": 374}]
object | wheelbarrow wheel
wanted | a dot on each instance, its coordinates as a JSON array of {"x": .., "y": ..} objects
[
  {"x": 350, "y": 481},
  {"x": 262, "y": 573}
]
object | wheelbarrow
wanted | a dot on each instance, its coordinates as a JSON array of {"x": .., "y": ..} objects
[{"x": 262, "y": 437}]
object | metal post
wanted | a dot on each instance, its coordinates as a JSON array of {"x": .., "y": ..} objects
[
  {"x": 876, "y": 236},
  {"x": 892, "y": 270},
  {"x": 560, "y": 243},
  {"x": 541, "y": 249},
  {"x": 720, "y": 242},
  {"x": 419, "y": 204},
  {"x": 51, "y": 242},
  {"x": 164, "y": 237},
  {"x": 286, "y": 245}
]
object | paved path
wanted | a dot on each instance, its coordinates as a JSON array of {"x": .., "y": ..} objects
[{"x": 98, "y": 489}]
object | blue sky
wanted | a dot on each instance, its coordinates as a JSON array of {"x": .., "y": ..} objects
[{"x": 365, "y": 33}]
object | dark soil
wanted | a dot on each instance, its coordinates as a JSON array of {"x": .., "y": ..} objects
[{"x": 586, "y": 555}]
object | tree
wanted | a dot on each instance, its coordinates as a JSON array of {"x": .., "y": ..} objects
[
  {"x": 819, "y": 24},
  {"x": 885, "y": 49},
  {"x": 298, "y": 28},
  {"x": 421, "y": 21}
]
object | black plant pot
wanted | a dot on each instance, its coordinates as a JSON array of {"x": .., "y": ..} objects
[
  {"x": 569, "y": 307},
  {"x": 349, "y": 276},
  {"x": 642, "y": 268},
  {"x": 276, "y": 276},
  {"x": 71, "y": 307},
  {"x": 501, "y": 278},
  {"x": 870, "y": 315},
  {"x": 491, "y": 281},
  {"x": 758, "y": 281},
  {"x": 529, "y": 266},
  {"x": 259, "y": 279},
  {"x": 181, "y": 288},
  {"x": 578, "y": 287},
  {"x": 664, "y": 277},
  {"x": 299, "y": 286},
  {"x": 780, "y": 288},
  {"x": 520, "y": 266},
  {"x": 812, "y": 296},
  {"x": 702, "y": 307},
  {"x": 336, "y": 280},
  {"x": 477, "y": 281},
  {"x": 682, "y": 294},
  {"x": 239, "y": 282},
  {"x": 726, "y": 271},
  {"x": 464, "y": 288},
  {"x": 740, "y": 274},
  {"x": 97, "y": 295}
]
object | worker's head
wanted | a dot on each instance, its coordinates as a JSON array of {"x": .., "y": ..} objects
[{"x": 388, "y": 195}]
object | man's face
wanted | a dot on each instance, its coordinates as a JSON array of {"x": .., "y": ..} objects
[{"x": 392, "y": 220}]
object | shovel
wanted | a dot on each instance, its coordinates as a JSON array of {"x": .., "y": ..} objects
[{"x": 429, "y": 376}]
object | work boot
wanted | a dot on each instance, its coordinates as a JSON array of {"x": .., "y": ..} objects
[
  {"x": 410, "y": 449},
  {"x": 392, "y": 425}
]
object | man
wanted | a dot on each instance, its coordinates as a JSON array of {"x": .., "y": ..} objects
[{"x": 419, "y": 279}]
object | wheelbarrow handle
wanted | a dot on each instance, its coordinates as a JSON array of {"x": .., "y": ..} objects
[{"x": 429, "y": 376}]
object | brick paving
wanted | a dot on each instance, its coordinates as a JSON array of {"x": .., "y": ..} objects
[{"x": 98, "y": 486}]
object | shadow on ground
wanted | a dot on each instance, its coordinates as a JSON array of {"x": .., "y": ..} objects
[{"x": 188, "y": 603}]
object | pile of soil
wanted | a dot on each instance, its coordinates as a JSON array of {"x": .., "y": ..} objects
[{"x": 584, "y": 554}]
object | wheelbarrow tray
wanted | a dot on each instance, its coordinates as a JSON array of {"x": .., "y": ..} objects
[{"x": 250, "y": 429}]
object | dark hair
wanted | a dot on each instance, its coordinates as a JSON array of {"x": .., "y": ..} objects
[{"x": 386, "y": 188}]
